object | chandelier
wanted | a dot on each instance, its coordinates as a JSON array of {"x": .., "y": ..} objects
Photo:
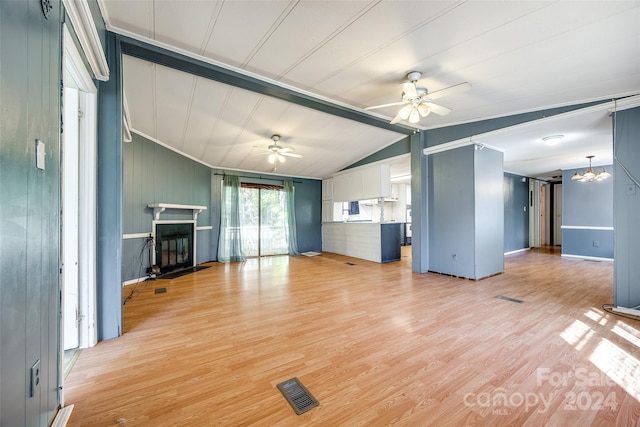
[{"x": 590, "y": 175}]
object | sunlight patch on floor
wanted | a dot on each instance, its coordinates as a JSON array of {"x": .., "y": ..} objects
[
  {"x": 575, "y": 332},
  {"x": 620, "y": 366},
  {"x": 624, "y": 333}
]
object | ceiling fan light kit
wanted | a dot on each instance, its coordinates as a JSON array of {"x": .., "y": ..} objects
[
  {"x": 418, "y": 102},
  {"x": 590, "y": 175},
  {"x": 277, "y": 153}
]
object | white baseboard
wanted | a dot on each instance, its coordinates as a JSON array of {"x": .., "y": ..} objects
[
  {"x": 517, "y": 251},
  {"x": 134, "y": 281},
  {"x": 625, "y": 310},
  {"x": 592, "y": 258},
  {"x": 62, "y": 417}
]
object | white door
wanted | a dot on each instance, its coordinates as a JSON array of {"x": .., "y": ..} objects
[{"x": 70, "y": 150}]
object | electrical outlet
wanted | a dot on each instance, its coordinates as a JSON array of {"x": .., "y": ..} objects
[
  {"x": 596, "y": 243},
  {"x": 35, "y": 377}
]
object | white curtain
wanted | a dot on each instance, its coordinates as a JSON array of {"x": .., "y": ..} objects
[{"x": 230, "y": 242}]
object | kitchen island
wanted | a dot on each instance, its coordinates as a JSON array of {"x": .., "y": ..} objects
[{"x": 373, "y": 241}]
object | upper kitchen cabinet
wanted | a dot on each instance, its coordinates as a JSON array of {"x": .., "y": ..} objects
[
  {"x": 366, "y": 182},
  {"x": 327, "y": 189}
]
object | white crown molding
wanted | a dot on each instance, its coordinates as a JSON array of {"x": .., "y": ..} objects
[
  {"x": 625, "y": 104},
  {"x": 126, "y": 120},
  {"x": 471, "y": 140},
  {"x": 85, "y": 28}
]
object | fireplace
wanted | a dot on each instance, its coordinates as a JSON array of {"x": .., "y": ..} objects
[{"x": 174, "y": 246}]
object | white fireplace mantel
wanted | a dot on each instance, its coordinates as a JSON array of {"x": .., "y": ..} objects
[{"x": 158, "y": 208}]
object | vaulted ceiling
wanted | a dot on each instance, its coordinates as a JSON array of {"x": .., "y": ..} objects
[{"x": 518, "y": 56}]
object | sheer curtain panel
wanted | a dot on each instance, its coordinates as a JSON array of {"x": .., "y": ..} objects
[{"x": 230, "y": 242}]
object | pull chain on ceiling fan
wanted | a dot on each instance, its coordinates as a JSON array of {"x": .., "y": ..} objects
[{"x": 417, "y": 101}]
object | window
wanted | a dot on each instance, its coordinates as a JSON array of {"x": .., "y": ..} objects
[{"x": 263, "y": 219}]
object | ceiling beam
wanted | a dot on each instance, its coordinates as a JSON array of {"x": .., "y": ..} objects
[{"x": 201, "y": 68}]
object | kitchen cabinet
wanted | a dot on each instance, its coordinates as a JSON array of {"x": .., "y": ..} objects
[
  {"x": 327, "y": 189},
  {"x": 367, "y": 182},
  {"x": 366, "y": 240}
]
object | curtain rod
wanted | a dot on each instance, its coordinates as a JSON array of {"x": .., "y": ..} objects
[{"x": 257, "y": 177}]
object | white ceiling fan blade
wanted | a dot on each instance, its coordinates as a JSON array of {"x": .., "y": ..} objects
[
  {"x": 385, "y": 105},
  {"x": 409, "y": 89},
  {"x": 396, "y": 119},
  {"x": 438, "y": 109},
  {"x": 288, "y": 154},
  {"x": 451, "y": 90},
  {"x": 262, "y": 149}
]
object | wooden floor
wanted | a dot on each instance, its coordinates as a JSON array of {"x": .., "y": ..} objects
[{"x": 374, "y": 343}]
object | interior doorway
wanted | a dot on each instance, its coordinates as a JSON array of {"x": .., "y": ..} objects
[
  {"x": 545, "y": 214},
  {"x": 78, "y": 206}
]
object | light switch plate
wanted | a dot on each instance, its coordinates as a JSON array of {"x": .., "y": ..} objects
[
  {"x": 40, "y": 154},
  {"x": 35, "y": 377}
]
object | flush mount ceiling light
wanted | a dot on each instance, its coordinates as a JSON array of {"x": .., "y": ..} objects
[
  {"x": 553, "y": 139},
  {"x": 590, "y": 175}
]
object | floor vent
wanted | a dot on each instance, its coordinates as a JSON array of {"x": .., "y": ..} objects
[
  {"x": 297, "y": 395},
  {"x": 160, "y": 291},
  {"x": 519, "y": 301}
]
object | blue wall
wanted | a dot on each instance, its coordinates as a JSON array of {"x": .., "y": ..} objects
[
  {"x": 587, "y": 216},
  {"x": 516, "y": 212},
  {"x": 627, "y": 208}
]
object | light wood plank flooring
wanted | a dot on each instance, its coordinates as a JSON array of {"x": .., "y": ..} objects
[{"x": 374, "y": 343}]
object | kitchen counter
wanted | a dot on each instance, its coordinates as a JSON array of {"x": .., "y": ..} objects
[{"x": 373, "y": 241}]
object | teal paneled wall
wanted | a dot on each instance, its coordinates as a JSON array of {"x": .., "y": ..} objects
[
  {"x": 109, "y": 198},
  {"x": 30, "y": 70},
  {"x": 308, "y": 203},
  {"x": 626, "y": 198},
  {"x": 155, "y": 174}
]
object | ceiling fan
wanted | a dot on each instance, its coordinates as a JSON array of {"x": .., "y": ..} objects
[
  {"x": 277, "y": 153},
  {"x": 417, "y": 101}
]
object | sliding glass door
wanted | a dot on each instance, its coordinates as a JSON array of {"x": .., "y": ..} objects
[{"x": 263, "y": 221}]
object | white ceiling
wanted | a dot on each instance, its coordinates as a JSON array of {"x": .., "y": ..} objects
[{"x": 519, "y": 56}]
